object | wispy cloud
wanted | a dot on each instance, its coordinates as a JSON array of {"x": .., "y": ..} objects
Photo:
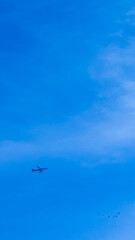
[
  {"x": 131, "y": 12},
  {"x": 106, "y": 130}
]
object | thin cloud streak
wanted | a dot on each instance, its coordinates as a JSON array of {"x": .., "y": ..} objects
[{"x": 108, "y": 133}]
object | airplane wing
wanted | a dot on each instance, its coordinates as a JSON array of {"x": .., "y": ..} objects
[{"x": 41, "y": 168}]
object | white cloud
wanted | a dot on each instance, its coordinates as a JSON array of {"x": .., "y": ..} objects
[
  {"x": 106, "y": 130},
  {"x": 131, "y": 12}
]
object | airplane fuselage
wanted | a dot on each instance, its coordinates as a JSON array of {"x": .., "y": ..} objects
[{"x": 39, "y": 169}]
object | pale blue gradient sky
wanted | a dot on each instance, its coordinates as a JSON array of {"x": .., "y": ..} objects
[{"x": 67, "y": 102}]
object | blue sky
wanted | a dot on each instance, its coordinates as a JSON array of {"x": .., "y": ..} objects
[{"x": 67, "y": 102}]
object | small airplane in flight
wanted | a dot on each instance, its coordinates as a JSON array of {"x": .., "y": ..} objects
[{"x": 39, "y": 169}]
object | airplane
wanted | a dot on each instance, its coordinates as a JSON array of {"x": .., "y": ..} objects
[{"x": 39, "y": 169}]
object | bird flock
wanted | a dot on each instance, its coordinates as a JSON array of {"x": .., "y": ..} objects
[{"x": 110, "y": 216}]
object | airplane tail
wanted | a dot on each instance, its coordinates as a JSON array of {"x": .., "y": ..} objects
[{"x": 32, "y": 170}]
